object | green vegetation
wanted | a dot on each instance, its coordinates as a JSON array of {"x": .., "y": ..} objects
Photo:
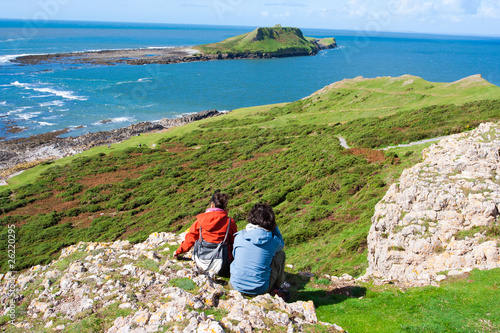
[
  {"x": 183, "y": 283},
  {"x": 468, "y": 303},
  {"x": 287, "y": 155},
  {"x": 274, "y": 41},
  {"x": 490, "y": 232}
]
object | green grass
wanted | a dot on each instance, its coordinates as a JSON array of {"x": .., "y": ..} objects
[
  {"x": 31, "y": 175},
  {"x": 183, "y": 283},
  {"x": 465, "y": 304},
  {"x": 148, "y": 264}
]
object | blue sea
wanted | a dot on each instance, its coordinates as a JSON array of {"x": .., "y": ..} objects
[{"x": 89, "y": 98}]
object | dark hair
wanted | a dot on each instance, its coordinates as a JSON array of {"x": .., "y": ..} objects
[
  {"x": 262, "y": 215},
  {"x": 220, "y": 199}
]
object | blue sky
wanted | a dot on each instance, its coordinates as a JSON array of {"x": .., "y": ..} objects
[{"x": 476, "y": 17}]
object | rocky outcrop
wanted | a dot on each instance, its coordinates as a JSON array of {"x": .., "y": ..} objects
[
  {"x": 120, "y": 287},
  {"x": 50, "y": 146},
  {"x": 442, "y": 217}
]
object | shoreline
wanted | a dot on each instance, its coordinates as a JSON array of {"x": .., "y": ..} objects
[
  {"x": 23, "y": 153},
  {"x": 146, "y": 56}
]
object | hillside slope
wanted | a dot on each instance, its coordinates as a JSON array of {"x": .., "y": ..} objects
[
  {"x": 275, "y": 41},
  {"x": 288, "y": 155}
]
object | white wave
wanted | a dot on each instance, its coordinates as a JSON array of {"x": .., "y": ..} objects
[
  {"x": 43, "y": 123},
  {"x": 145, "y": 79},
  {"x": 5, "y": 59},
  {"x": 122, "y": 119},
  {"x": 13, "y": 40},
  {"x": 125, "y": 82},
  {"x": 114, "y": 120},
  {"x": 50, "y": 117},
  {"x": 41, "y": 96},
  {"x": 53, "y": 103},
  {"x": 3, "y": 103},
  {"x": 159, "y": 47},
  {"x": 60, "y": 93},
  {"x": 29, "y": 115},
  {"x": 18, "y": 110}
]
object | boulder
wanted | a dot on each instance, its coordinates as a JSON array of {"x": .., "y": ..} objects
[{"x": 443, "y": 213}]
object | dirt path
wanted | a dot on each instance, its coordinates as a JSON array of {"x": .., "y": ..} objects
[{"x": 343, "y": 142}]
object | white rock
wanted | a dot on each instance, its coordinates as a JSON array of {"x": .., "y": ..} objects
[
  {"x": 416, "y": 228},
  {"x": 440, "y": 277},
  {"x": 211, "y": 326},
  {"x": 126, "y": 305}
]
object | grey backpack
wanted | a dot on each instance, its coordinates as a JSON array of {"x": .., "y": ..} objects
[{"x": 212, "y": 257}]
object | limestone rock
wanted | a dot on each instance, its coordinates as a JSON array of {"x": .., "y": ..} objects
[
  {"x": 440, "y": 215},
  {"x": 112, "y": 281}
]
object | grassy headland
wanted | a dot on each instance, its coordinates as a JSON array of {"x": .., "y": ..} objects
[
  {"x": 275, "y": 41},
  {"x": 287, "y": 155}
]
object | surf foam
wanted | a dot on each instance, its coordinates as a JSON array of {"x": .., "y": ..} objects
[{"x": 61, "y": 93}]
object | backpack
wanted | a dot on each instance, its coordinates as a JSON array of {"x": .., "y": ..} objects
[{"x": 212, "y": 257}]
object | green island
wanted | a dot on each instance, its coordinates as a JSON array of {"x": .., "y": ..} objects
[
  {"x": 288, "y": 155},
  {"x": 274, "y": 41}
]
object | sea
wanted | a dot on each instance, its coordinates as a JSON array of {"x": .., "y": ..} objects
[{"x": 36, "y": 99}]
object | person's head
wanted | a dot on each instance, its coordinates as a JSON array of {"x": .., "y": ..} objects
[
  {"x": 263, "y": 216},
  {"x": 219, "y": 200}
]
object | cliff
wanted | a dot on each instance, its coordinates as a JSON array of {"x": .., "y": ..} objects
[
  {"x": 442, "y": 216},
  {"x": 120, "y": 287}
]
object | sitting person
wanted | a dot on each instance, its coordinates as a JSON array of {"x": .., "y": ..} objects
[
  {"x": 214, "y": 224},
  {"x": 259, "y": 260}
]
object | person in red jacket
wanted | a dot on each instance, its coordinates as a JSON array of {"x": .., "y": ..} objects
[{"x": 213, "y": 223}]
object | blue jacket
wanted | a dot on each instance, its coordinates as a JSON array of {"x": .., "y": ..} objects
[{"x": 253, "y": 251}]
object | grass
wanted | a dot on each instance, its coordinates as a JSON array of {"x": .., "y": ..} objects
[
  {"x": 468, "y": 303},
  {"x": 31, "y": 175},
  {"x": 183, "y": 283}
]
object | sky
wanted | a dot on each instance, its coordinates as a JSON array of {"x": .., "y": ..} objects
[{"x": 456, "y": 17}]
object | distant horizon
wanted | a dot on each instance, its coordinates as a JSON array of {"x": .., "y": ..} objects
[
  {"x": 440, "y": 17},
  {"x": 367, "y": 32}
]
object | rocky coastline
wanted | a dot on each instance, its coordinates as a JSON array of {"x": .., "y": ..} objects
[
  {"x": 148, "y": 56},
  {"x": 22, "y": 153}
]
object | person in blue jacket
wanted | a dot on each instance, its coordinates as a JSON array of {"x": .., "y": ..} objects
[{"x": 259, "y": 260}]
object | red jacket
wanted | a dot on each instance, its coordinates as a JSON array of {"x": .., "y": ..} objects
[{"x": 213, "y": 228}]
